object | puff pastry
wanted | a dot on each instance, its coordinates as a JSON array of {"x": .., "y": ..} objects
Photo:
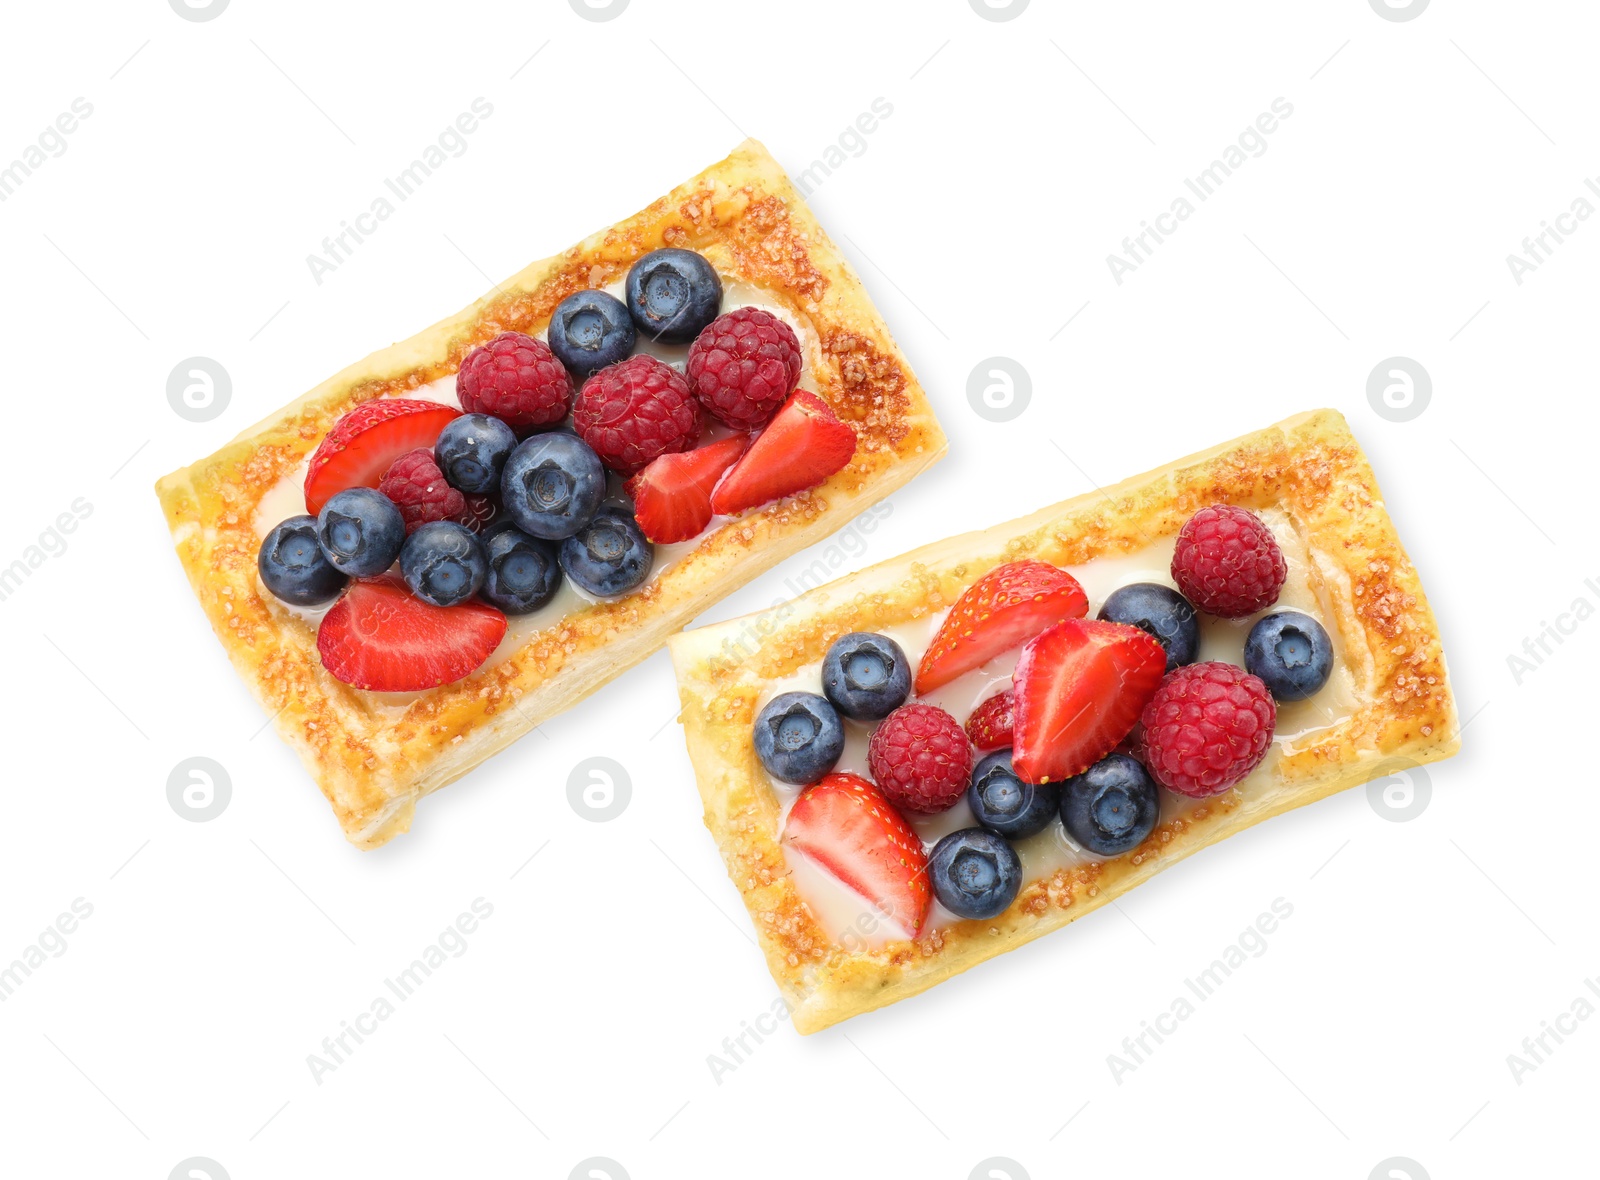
[
  {"x": 1307, "y": 472},
  {"x": 373, "y": 755}
]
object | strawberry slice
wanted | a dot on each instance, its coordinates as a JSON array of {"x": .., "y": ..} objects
[
  {"x": 1079, "y": 689},
  {"x": 380, "y": 637},
  {"x": 803, "y": 444},
  {"x": 1006, "y": 607},
  {"x": 362, "y": 444},
  {"x": 845, "y": 824},
  {"x": 672, "y": 496}
]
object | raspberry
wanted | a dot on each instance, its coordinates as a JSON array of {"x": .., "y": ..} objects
[
  {"x": 742, "y": 366},
  {"x": 635, "y": 411},
  {"x": 418, "y": 488},
  {"x": 517, "y": 379},
  {"x": 1207, "y": 727},
  {"x": 920, "y": 759},
  {"x": 1228, "y": 563},
  {"x": 991, "y": 722}
]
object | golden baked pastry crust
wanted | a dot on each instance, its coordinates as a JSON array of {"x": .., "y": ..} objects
[
  {"x": 1309, "y": 467},
  {"x": 374, "y": 758}
]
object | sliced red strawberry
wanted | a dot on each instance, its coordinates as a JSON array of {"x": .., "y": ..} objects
[
  {"x": 672, "y": 496},
  {"x": 362, "y": 444},
  {"x": 1079, "y": 689},
  {"x": 989, "y": 727},
  {"x": 380, "y": 637},
  {"x": 1005, "y": 608},
  {"x": 846, "y": 825},
  {"x": 802, "y": 445}
]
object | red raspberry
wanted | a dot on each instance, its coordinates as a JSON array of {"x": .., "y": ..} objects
[
  {"x": 742, "y": 366},
  {"x": 920, "y": 759},
  {"x": 1228, "y": 563},
  {"x": 991, "y": 722},
  {"x": 517, "y": 379},
  {"x": 635, "y": 411},
  {"x": 419, "y": 489},
  {"x": 1207, "y": 727}
]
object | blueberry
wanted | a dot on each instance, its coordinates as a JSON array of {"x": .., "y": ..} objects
[
  {"x": 1160, "y": 612},
  {"x": 552, "y": 485},
  {"x": 1006, "y": 805},
  {"x": 608, "y": 556},
  {"x": 798, "y": 737},
  {"x": 443, "y": 563},
  {"x": 974, "y": 873},
  {"x": 524, "y": 574},
  {"x": 866, "y": 676},
  {"x": 672, "y": 294},
  {"x": 1291, "y": 653},
  {"x": 1111, "y": 807},
  {"x": 294, "y": 567},
  {"x": 591, "y": 330},
  {"x": 361, "y": 531},
  {"x": 472, "y": 451}
]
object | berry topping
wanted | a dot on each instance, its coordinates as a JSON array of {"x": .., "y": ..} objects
[
  {"x": 443, "y": 563},
  {"x": 379, "y": 637},
  {"x": 590, "y": 330},
  {"x": 1291, "y": 653},
  {"x": 991, "y": 722},
  {"x": 866, "y": 676},
  {"x": 846, "y": 825},
  {"x": 636, "y": 411},
  {"x": 802, "y": 446},
  {"x": 361, "y": 531},
  {"x": 1111, "y": 807},
  {"x": 1207, "y": 727},
  {"x": 1006, "y": 607},
  {"x": 293, "y": 566},
  {"x": 608, "y": 556},
  {"x": 552, "y": 485},
  {"x": 1080, "y": 687},
  {"x": 975, "y": 874},
  {"x": 920, "y": 759},
  {"x": 1228, "y": 563},
  {"x": 517, "y": 379},
  {"x": 1002, "y": 802},
  {"x": 672, "y": 496},
  {"x": 523, "y": 572},
  {"x": 477, "y": 513},
  {"x": 1160, "y": 612},
  {"x": 798, "y": 737},
  {"x": 362, "y": 445},
  {"x": 743, "y": 366},
  {"x": 419, "y": 489},
  {"x": 472, "y": 451},
  {"x": 672, "y": 295}
]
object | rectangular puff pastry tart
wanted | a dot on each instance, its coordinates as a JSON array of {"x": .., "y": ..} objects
[
  {"x": 933, "y": 761},
  {"x": 466, "y": 533}
]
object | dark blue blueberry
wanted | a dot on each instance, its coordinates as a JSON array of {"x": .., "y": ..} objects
[
  {"x": 672, "y": 295},
  {"x": 608, "y": 556},
  {"x": 799, "y": 737},
  {"x": 294, "y": 567},
  {"x": 589, "y": 331},
  {"x": 974, "y": 873},
  {"x": 1111, "y": 807},
  {"x": 552, "y": 485},
  {"x": 524, "y": 574},
  {"x": 443, "y": 563},
  {"x": 866, "y": 676},
  {"x": 472, "y": 452},
  {"x": 1160, "y": 612},
  {"x": 1291, "y": 653},
  {"x": 361, "y": 532},
  {"x": 1006, "y": 805}
]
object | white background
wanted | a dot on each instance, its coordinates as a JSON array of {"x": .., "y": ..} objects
[{"x": 579, "y": 1021}]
